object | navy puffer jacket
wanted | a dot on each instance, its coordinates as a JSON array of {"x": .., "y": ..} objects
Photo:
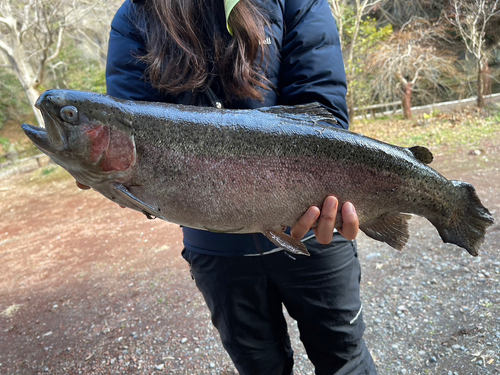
[{"x": 305, "y": 65}]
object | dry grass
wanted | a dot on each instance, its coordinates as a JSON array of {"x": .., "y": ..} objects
[{"x": 466, "y": 128}]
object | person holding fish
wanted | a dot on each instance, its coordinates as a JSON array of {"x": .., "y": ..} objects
[{"x": 252, "y": 54}]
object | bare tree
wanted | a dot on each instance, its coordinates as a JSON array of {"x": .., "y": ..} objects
[
  {"x": 338, "y": 10},
  {"x": 357, "y": 10},
  {"x": 471, "y": 19},
  {"x": 32, "y": 33},
  {"x": 411, "y": 60},
  {"x": 361, "y": 9},
  {"x": 400, "y": 12}
]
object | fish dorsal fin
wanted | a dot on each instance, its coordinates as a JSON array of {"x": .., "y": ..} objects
[
  {"x": 391, "y": 228},
  {"x": 422, "y": 153},
  {"x": 310, "y": 111}
]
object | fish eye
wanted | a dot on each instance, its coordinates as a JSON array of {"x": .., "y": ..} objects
[{"x": 69, "y": 113}]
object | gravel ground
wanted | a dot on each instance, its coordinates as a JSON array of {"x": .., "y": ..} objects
[
  {"x": 433, "y": 309},
  {"x": 76, "y": 298}
]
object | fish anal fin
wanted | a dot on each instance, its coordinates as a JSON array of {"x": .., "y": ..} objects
[
  {"x": 135, "y": 203},
  {"x": 422, "y": 153},
  {"x": 391, "y": 228},
  {"x": 287, "y": 242}
]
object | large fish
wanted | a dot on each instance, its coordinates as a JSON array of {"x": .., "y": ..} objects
[{"x": 250, "y": 171}]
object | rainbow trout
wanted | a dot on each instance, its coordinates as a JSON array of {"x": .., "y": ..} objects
[{"x": 250, "y": 171}]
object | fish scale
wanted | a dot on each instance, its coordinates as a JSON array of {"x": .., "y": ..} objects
[{"x": 250, "y": 171}]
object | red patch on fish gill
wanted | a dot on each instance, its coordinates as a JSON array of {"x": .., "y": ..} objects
[
  {"x": 99, "y": 140},
  {"x": 120, "y": 154}
]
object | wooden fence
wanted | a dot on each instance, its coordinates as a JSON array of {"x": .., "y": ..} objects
[{"x": 395, "y": 108}]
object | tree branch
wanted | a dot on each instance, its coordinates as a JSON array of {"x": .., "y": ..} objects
[
  {"x": 6, "y": 49},
  {"x": 58, "y": 45},
  {"x": 87, "y": 38},
  {"x": 10, "y": 22}
]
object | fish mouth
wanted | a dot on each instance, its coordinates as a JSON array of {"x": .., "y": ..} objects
[
  {"x": 51, "y": 138},
  {"x": 39, "y": 137}
]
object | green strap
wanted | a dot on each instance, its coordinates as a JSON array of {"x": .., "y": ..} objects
[{"x": 228, "y": 7}]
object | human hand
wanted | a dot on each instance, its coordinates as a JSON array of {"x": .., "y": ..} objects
[{"x": 326, "y": 223}]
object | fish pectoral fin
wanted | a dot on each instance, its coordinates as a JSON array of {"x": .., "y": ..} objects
[
  {"x": 287, "y": 242},
  {"x": 146, "y": 209},
  {"x": 422, "y": 153},
  {"x": 391, "y": 228}
]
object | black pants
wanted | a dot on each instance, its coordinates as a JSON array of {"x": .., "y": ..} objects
[{"x": 245, "y": 297}]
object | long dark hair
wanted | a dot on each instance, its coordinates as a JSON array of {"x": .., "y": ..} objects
[{"x": 187, "y": 45}]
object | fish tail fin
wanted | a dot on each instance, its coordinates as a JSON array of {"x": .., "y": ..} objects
[{"x": 467, "y": 225}]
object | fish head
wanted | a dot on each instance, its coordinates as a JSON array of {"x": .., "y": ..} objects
[{"x": 88, "y": 134}]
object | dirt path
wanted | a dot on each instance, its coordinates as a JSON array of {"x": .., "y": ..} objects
[{"x": 88, "y": 288}]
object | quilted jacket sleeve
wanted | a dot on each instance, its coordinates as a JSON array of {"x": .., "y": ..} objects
[
  {"x": 312, "y": 65},
  {"x": 124, "y": 73}
]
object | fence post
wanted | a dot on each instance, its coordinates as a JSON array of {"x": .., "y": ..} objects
[{"x": 12, "y": 153}]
